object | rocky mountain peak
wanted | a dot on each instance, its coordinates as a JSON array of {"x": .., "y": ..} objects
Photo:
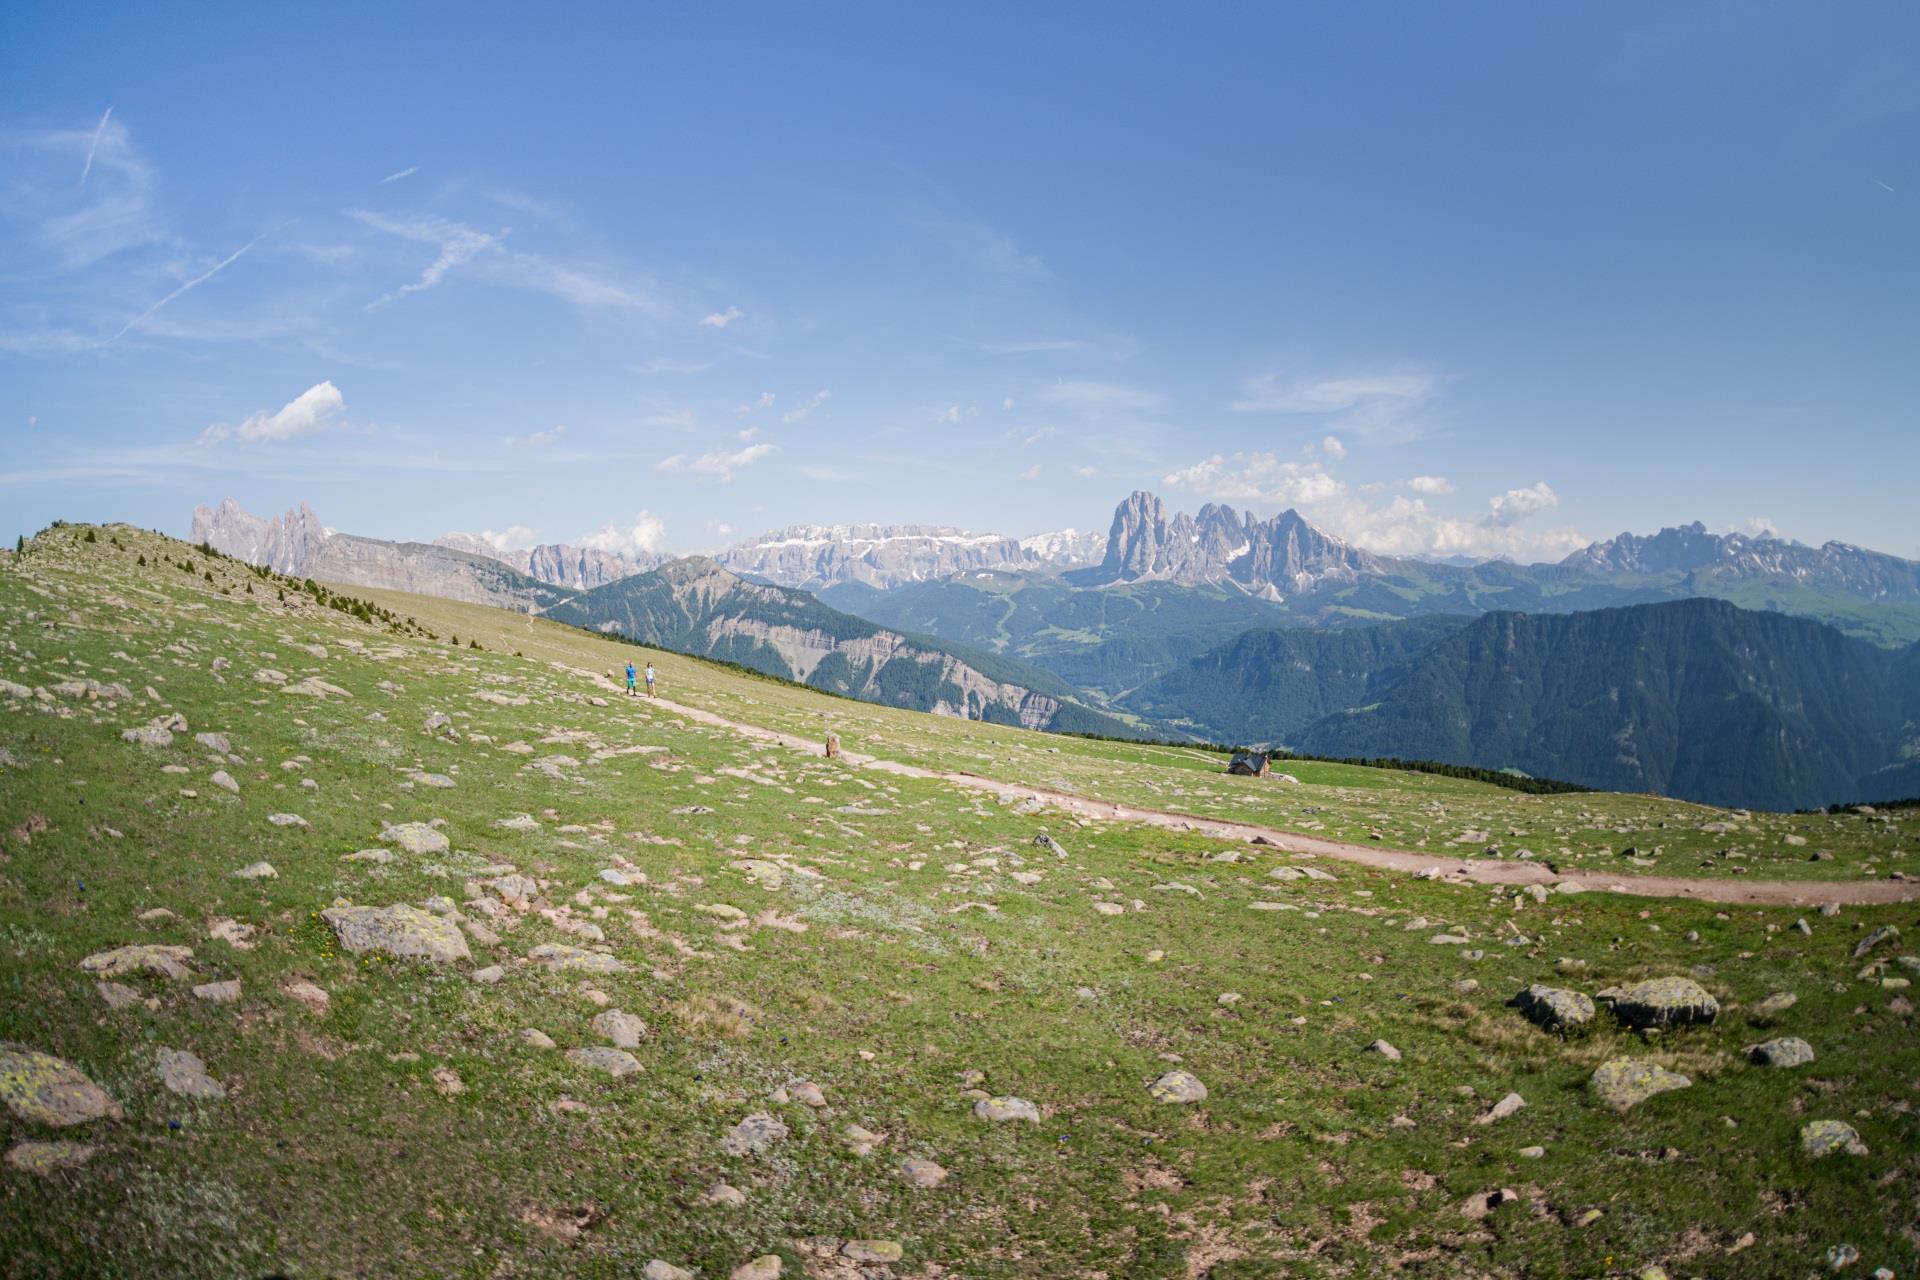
[{"x": 1284, "y": 554}]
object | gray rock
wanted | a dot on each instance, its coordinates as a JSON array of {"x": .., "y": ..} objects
[
  {"x": 1052, "y": 846},
  {"x": 166, "y": 961},
  {"x": 398, "y": 930},
  {"x": 1501, "y": 1109},
  {"x": 1770, "y": 1009},
  {"x": 224, "y": 780},
  {"x": 1665, "y": 1002},
  {"x": 44, "y": 1090},
  {"x": 557, "y": 955},
  {"x": 615, "y": 1062},
  {"x": 1884, "y": 933},
  {"x": 46, "y": 1158},
  {"x": 416, "y": 838},
  {"x": 286, "y": 820},
  {"x": 1177, "y": 1086},
  {"x": 1623, "y": 1083},
  {"x": 1787, "y": 1051},
  {"x": 257, "y": 871},
  {"x": 518, "y": 822},
  {"x": 215, "y": 742},
  {"x": 1006, "y": 1109},
  {"x": 1554, "y": 1008},
  {"x": 922, "y": 1173},
  {"x": 754, "y": 1135},
  {"x": 881, "y": 1251},
  {"x": 1822, "y": 1138},
  {"x": 624, "y": 1029},
  {"x": 185, "y": 1074},
  {"x": 656, "y": 1269},
  {"x": 150, "y": 735},
  {"x": 534, "y": 1038},
  {"x": 218, "y": 992},
  {"x": 1385, "y": 1050}
]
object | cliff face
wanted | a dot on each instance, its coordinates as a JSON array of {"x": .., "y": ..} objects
[
  {"x": 1284, "y": 555},
  {"x": 299, "y": 545},
  {"x": 1729, "y": 557},
  {"x": 556, "y": 563}
]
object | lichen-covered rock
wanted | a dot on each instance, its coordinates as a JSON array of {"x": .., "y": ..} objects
[
  {"x": 923, "y": 1173},
  {"x": 416, "y": 838},
  {"x": 1177, "y": 1086},
  {"x": 558, "y": 955},
  {"x": 881, "y": 1251},
  {"x": 398, "y": 930},
  {"x": 615, "y": 1062},
  {"x": 167, "y": 962},
  {"x": 185, "y": 1074},
  {"x": 1787, "y": 1051},
  {"x": 1884, "y": 933},
  {"x": 754, "y": 1135},
  {"x": 1005, "y": 1109},
  {"x": 1622, "y": 1083},
  {"x": 48, "y": 1157},
  {"x": 624, "y": 1029},
  {"x": 1822, "y": 1138},
  {"x": 1769, "y": 1010},
  {"x": 1554, "y": 1008},
  {"x": 1665, "y": 1002},
  {"x": 42, "y": 1089}
]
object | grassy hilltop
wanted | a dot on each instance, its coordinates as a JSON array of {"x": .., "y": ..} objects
[{"x": 826, "y": 970}]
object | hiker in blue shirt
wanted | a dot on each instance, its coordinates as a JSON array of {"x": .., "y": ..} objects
[{"x": 630, "y": 681}]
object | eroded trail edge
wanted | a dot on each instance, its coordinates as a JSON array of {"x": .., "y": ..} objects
[{"x": 1455, "y": 869}]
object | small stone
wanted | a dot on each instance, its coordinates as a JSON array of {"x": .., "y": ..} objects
[
  {"x": 1179, "y": 1087},
  {"x": 1531, "y": 1153},
  {"x": 725, "y": 1193},
  {"x": 42, "y": 1089},
  {"x": 224, "y": 780},
  {"x": 314, "y": 998},
  {"x": 257, "y": 871},
  {"x": 557, "y": 955},
  {"x": 1841, "y": 1256},
  {"x": 416, "y": 838},
  {"x": 1787, "y": 1051},
  {"x": 218, "y": 992},
  {"x": 765, "y": 1267},
  {"x": 754, "y": 1135},
  {"x": 185, "y": 1074},
  {"x": 615, "y": 1062},
  {"x": 1385, "y": 1050},
  {"x": 490, "y": 975},
  {"x": 286, "y": 820},
  {"x": 806, "y": 1091},
  {"x": 1622, "y": 1083},
  {"x": 448, "y": 1081},
  {"x": 1501, "y": 1109},
  {"x": 656, "y": 1269},
  {"x": 872, "y": 1250},
  {"x": 1003, "y": 1110},
  {"x": 1884, "y": 933},
  {"x": 922, "y": 1173},
  {"x": 1770, "y": 1009},
  {"x": 1822, "y": 1138},
  {"x": 624, "y": 1029},
  {"x": 534, "y": 1038},
  {"x": 48, "y": 1157}
]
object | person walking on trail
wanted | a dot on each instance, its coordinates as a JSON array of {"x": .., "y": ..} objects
[
  {"x": 630, "y": 674},
  {"x": 651, "y": 691}
]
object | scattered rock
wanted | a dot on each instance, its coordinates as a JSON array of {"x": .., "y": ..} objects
[
  {"x": 923, "y": 1173},
  {"x": 1501, "y": 1109},
  {"x": 1665, "y": 1002},
  {"x": 257, "y": 871},
  {"x": 286, "y": 820},
  {"x": 1769, "y": 1010},
  {"x": 1553, "y": 1008},
  {"x": 416, "y": 838},
  {"x": 615, "y": 1062},
  {"x": 1822, "y": 1138},
  {"x": 1178, "y": 1086},
  {"x": 754, "y": 1135},
  {"x": 42, "y": 1089},
  {"x": 765, "y": 1267},
  {"x": 224, "y": 780},
  {"x": 1884, "y": 933},
  {"x": 624, "y": 1029},
  {"x": 398, "y": 930},
  {"x": 1004, "y": 1109},
  {"x": 167, "y": 962},
  {"x": 656, "y": 1269},
  {"x": 1788, "y": 1051},
  {"x": 725, "y": 1193},
  {"x": 872, "y": 1250},
  {"x": 1622, "y": 1083},
  {"x": 116, "y": 995},
  {"x": 557, "y": 955},
  {"x": 534, "y": 1038},
  {"x": 218, "y": 992},
  {"x": 314, "y": 998},
  {"x": 1385, "y": 1050},
  {"x": 185, "y": 1074},
  {"x": 48, "y": 1157}
]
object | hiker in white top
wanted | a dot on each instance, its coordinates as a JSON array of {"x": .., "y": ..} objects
[{"x": 651, "y": 692}]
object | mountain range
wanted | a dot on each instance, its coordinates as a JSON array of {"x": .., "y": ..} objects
[{"x": 696, "y": 606}]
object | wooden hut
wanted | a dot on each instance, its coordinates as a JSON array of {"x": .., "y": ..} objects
[{"x": 1250, "y": 764}]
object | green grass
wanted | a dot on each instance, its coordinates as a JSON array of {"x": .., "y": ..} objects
[{"x": 336, "y": 1154}]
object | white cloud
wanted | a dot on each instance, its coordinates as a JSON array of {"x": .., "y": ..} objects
[
  {"x": 1099, "y": 396},
  {"x": 407, "y": 172},
  {"x": 94, "y": 146},
  {"x": 721, "y": 319},
  {"x": 666, "y": 364},
  {"x": 714, "y": 463},
  {"x": 1007, "y": 403},
  {"x": 1257, "y": 477},
  {"x": 1031, "y": 473},
  {"x": 460, "y": 244},
  {"x": 805, "y": 411},
  {"x": 538, "y": 438},
  {"x": 1517, "y": 504},
  {"x": 1433, "y": 486},
  {"x": 1332, "y": 447},
  {"x": 1759, "y": 527},
  {"x": 1086, "y": 472},
  {"x": 305, "y": 414},
  {"x": 515, "y": 537},
  {"x": 109, "y": 210},
  {"x": 645, "y": 535}
]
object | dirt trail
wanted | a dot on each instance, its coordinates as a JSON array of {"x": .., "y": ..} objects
[{"x": 1476, "y": 871}]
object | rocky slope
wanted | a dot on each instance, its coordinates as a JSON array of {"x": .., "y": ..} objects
[
  {"x": 884, "y": 555},
  {"x": 299, "y": 545},
  {"x": 1691, "y": 550},
  {"x": 696, "y": 606},
  {"x": 1278, "y": 557}
]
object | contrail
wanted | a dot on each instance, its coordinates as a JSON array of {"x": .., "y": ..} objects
[
  {"x": 93, "y": 146},
  {"x": 191, "y": 284},
  {"x": 404, "y": 173},
  {"x": 1883, "y": 186}
]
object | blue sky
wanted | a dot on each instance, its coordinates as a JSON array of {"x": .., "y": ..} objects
[{"x": 1449, "y": 278}]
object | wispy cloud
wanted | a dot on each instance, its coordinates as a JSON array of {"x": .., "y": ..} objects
[
  {"x": 715, "y": 463},
  {"x": 94, "y": 146},
  {"x": 188, "y": 287},
  {"x": 407, "y": 172},
  {"x": 1034, "y": 346},
  {"x": 305, "y": 414},
  {"x": 1031, "y": 473},
  {"x": 1256, "y": 477},
  {"x": 1883, "y": 186},
  {"x": 538, "y": 439},
  {"x": 1377, "y": 407},
  {"x": 1101, "y": 396},
  {"x": 721, "y": 319},
  {"x": 667, "y": 364},
  {"x": 806, "y": 410},
  {"x": 460, "y": 244}
]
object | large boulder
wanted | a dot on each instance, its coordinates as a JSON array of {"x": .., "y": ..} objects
[
  {"x": 1003, "y": 1110},
  {"x": 1553, "y": 1008},
  {"x": 1787, "y": 1051},
  {"x": 42, "y": 1089},
  {"x": 1822, "y": 1138},
  {"x": 1623, "y": 1083},
  {"x": 1663, "y": 1002},
  {"x": 416, "y": 838},
  {"x": 398, "y": 930}
]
